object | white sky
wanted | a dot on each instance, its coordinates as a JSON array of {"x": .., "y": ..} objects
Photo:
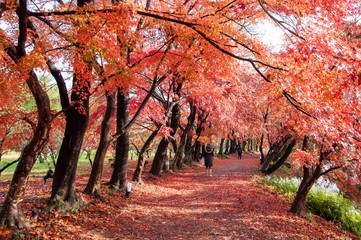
[{"x": 272, "y": 35}]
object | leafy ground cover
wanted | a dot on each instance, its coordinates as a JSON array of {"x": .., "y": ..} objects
[{"x": 182, "y": 205}]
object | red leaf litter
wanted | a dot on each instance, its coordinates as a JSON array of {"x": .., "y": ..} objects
[{"x": 182, "y": 205}]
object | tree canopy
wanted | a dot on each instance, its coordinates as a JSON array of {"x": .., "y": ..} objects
[{"x": 187, "y": 72}]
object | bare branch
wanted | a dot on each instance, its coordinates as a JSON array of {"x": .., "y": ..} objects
[
  {"x": 296, "y": 104},
  {"x": 278, "y": 22},
  {"x": 329, "y": 170}
]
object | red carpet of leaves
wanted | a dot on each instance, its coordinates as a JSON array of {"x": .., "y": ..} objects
[{"x": 182, "y": 205}]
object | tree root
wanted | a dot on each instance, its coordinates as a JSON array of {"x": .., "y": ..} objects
[
  {"x": 62, "y": 207},
  {"x": 14, "y": 220}
]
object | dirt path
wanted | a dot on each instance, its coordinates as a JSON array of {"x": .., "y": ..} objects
[
  {"x": 190, "y": 205},
  {"x": 182, "y": 205}
]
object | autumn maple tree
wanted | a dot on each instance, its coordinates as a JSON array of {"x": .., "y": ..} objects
[
  {"x": 15, "y": 53},
  {"x": 321, "y": 84},
  {"x": 196, "y": 70}
]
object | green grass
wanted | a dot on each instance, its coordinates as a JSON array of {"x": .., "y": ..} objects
[
  {"x": 286, "y": 186},
  {"x": 320, "y": 201},
  {"x": 39, "y": 169},
  {"x": 334, "y": 206}
]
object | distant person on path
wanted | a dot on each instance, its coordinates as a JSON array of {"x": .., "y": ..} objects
[
  {"x": 207, "y": 154},
  {"x": 239, "y": 151}
]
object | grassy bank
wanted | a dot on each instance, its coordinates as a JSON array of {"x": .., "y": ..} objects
[{"x": 322, "y": 202}]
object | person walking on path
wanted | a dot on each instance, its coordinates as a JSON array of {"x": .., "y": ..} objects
[
  {"x": 239, "y": 151},
  {"x": 207, "y": 154}
]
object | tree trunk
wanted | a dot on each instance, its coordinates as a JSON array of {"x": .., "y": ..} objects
[
  {"x": 227, "y": 146},
  {"x": 233, "y": 146},
  {"x": 282, "y": 159},
  {"x": 274, "y": 150},
  {"x": 188, "y": 149},
  {"x": 137, "y": 177},
  {"x": 163, "y": 145},
  {"x": 159, "y": 157},
  {"x": 221, "y": 147},
  {"x": 261, "y": 150},
  {"x": 64, "y": 197},
  {"x": 2, "y": 142},
  {"x": 93, "y": 186},
  {"x": 309, "y": 178},
  {"x": 166, "y": 161},
  {"x": 119, "y": 175},
  {"x": 191, "y": 118},
  {"x": 197, "y": 150},
  {"x": 249, "y": 143},
  {"x": 276, "y": 156},
  {"x": 11, "y": 214}
]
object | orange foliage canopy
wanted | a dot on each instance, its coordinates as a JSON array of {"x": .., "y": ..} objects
[{"x": 313, "y": 82}]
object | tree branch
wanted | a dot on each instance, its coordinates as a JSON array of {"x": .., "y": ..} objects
[
  {"x": 296, "y": 104},
  {"x": 9, "y": 164},
  {"x": 329, "y": 170},
  {"x": 188, "y": 24},
  {"x": 279, "y": 23}
]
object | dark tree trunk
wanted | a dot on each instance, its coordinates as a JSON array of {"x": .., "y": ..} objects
[
  {"x": 11, "y": 214},
  {"x": 89, "y": 157},
  {"x": 197, "y": 150},
  {"x": 309, "y": 178},
  {"x": 277, "y": 155},
  {"x": 227, "y": 146},
  {"x": 221, "y": 147},
  {"x": 93, "y": 186},
  {"x": 119, "y": 176},
  {"x": 137, "y": 177},
  {"x": 275, "y": 149},
  {"x": 2, "y": 143},
  {"x": 244, "y": 145},
  {"x": 60, "y": 82},
  {"x": 261, "y": 150},
  {"x": 163, "y": 145},
  {"x": 166, "y": 161},
  {"x": 192, "y": 149},
  {"x": 174, "y": 145},
  {"x": 191, "y": 118},
  {"x": 288, "y": 149},
  {"x": 188, "y": 149},
  {"x": 249, "y": 145},
  {"x": 233, "y": 146},
  {"x": 64, "y": 197},
  {"x": 178, "y": 158},
  {"x": 202, "y": 118},
  {"x": 159, "y": 157}
]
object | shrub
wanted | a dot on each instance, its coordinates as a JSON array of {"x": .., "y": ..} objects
[
  {"x": 322, "y": 202},
  {"x": 286, "y": 186}
]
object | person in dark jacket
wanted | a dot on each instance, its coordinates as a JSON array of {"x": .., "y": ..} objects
[
  {"x": 207, "y": 154},
  {"x": 239, "y": 150}
]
